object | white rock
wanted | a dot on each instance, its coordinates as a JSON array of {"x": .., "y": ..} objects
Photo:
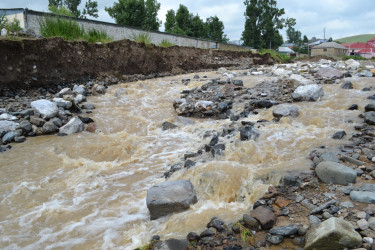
[
  {"x": 8, "y": 117},
  {"x": 221, "y": 70},
  {"x": 257, "y": 73},
  {"x": 352, "y": 64},
  {"x": 8, "y": 125},
  {"x": 294, "y": 78},
  {"x": 203, "y": 105},
  {"x": 60, "y": 102},
  {"x": 74, "y": 125},
  {"x": 79, "y": 89},
  {"x": 310, "y": 92},
  {"x": 282, "y": 72},
  {"x": 324, "y": 61},
  {"x": 46, "y": 108},
  {"x": 362, "y": 224},
  {"x": 285, "y": 109},
  {"x": 79, "y": 98},
  {"x": 64, "y": 91}
]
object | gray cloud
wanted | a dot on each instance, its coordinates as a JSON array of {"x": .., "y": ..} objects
[{"x": 341, "y": 18}]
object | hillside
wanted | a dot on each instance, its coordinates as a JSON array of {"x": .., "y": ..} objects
[{"x": 360, "y": 38}]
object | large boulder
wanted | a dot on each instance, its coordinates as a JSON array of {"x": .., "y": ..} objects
[
  {"x": 285, "y": 110},
  {"x": 8, "y": 125},
  {"x": 264, "y": 216},
  {"x": 168, "y": 197},
  {"x": 310, "y": 92},
  {"x": 370, "y": 117},
  {"x": 249, "y": 133},
  {"x": 352, "y": 64},
  {"x": 74, "y": 125},
  {"x": 329, "y": 73},
  {"x": 46, "y": 108},
  {"x": 363, "y": 196},
  {"x": 336, "y": 173},
  {"x": 333, "y": 233},
  {"x": 300, "y": 80}
]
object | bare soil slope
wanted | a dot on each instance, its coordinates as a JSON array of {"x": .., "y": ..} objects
[{"x": 36, "y": 63}]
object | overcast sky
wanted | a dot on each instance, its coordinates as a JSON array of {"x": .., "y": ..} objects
[{"x": 341, "y": 18}]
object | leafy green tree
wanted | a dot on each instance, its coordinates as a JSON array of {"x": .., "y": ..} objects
[
  {"x": 294, "y": 36},
  {"x": 151, "y": 21},
  {"x": 198, "y": 28},
  {"x": 330, "y": 39},
  {"x": 263, "y": 20},
  {"x": 170, "y": 21},
  {"x": 70, "y": 8},
  {"x": 305, "y": 39},
  {"x": 215, "y": 29},
  {"x": 136, "y": 13},
  {"x": 91, "y": 9},
  {"x": 184, "y": 19}
]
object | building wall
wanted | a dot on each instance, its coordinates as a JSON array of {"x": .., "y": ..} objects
[
  {"x": 31, "y": 20},
  {"x": 14, "y": 13},
  {"x": 328, "y": 52}
]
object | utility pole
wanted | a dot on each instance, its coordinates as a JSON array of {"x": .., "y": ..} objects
[{"x": 324, "y": 34}]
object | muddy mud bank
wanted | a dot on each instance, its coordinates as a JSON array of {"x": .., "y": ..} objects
[{"x": 37, "y": 63}]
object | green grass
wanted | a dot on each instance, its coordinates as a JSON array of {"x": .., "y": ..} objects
[
  {"x": 94, "y": 35},
  {"x": 65, "y": 28},
  {"x": 278, "y": 57},
  {"x": 353, "y": 57},
  {"x": 352, "y": 39},
  {"x": 70, "y": 30},
  {"x": 142, "y": 38},
  {"x": 165, "y": 44}
]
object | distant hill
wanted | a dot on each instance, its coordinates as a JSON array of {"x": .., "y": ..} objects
[{"x": 352, "y": 39}]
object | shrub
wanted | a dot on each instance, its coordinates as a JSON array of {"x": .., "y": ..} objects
[
  {"x": 278, "y": 57},
  {"x": 94, "y": 35},
  {"x": 142, "y": 38},
  {"x": 12, "y": 27},
  {"x": 354, "y": 57},
  {"x": 60, "y": 10},
  {"x": 63, "y": 27},
  {"x": 165, "y": 44}
]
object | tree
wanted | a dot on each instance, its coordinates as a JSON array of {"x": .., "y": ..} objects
[
  {"x": 330, "y": 39},
  {"x": 151, "y": 21},
  {"x": 198, "y": 28},
  {"x": 263, "y": 20},
  {"x": 91, "y": 9},
  {"x": 294, "y": 36},
  {"x": 183, "y": 19},
  {"x": 70, "y": 8},
  {"x": 136, "y": 13},
  {"x": 215, "y": 29},
  {"x": 305, "y": 39},
  {"x": 170, "y": 21}
]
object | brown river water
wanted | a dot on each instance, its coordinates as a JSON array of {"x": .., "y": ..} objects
[{"x": 88, "y": 191}]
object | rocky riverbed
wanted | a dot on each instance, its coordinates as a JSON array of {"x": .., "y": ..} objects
[
  {"x": 330, "y": 206},
  {"x": 266, "y": 157}
]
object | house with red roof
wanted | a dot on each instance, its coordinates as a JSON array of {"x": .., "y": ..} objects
[
  {"x": 366, "y": 49},
  {"x": 371, "y": 41},
  {"x": 367, "y": 53}
]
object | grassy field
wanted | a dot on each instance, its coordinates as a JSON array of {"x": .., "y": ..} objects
[{"x": 360, "y": 38}]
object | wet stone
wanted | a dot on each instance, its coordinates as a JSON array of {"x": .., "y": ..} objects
[
  {"x": 251, "y": 222},
  {"x": 347, "y": 85},
  {"x": 274, "y": 239},
  {"x": 217, "y": 224},
  {"x": 353, "y": 107},
  {"x": 248, "y": 133},
  {"x": 189, "y": 163},
  {"x": 339, "y": 135},
  {"x": 285, "y": 230},
  {"x": 166, "y": 125},
  {"x": 193, "y": 236},
  {"x": 208, "y": 232},
  {"x": 264, "y": 216}
]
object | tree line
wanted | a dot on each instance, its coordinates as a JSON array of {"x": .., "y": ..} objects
[{"x": 263, "y": 21}]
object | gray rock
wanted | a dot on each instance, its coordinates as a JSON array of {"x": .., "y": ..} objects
[
  {"x": 285, "y": 109},
  {"x": 352, "y": 160},
  {"x": 332, "y": 172},
  {"x": 290, "y": 181},
  {"x": 171, "y": 244},
  {"x": 64, "y": 91},
  {"x": 363, "y": 224},
  {"x": 347, "y": 204},
  {"x": 8, "y": 125},
  {"x": 328, "y": 156},
  {"x": 60, "y": 102},
  {"x": 285, "y": 230},
  {"x": 39, "y": 122},
  {"x": 333, "y": 233},
  {"x": 100, "y": 89},
  {"x": 274, "y": 239},
  {"x": 367, "y": 187},
  {"x": 88, "y": 106},
  {"x": 347, "y": 85},
  {"x": 300, "y": 80},
  {"x": 74, "y": 125},
  {"x": 49, "y": 128},
  {"x": 353, "y": 107},
  {"x": 25, "y": 126},
  {"x": 168, "y": 125},
  {"x": 323, "y": 206},
  {"x": 370, "y": 107},
  {"x": 238, "y": 82},
  {"x": 370, "y": 117},
  {"x": 329, "y": 73},
  {"x": 168, "y": 197},
  {"x": 310, "y": 92},
  {"x": 339, "y": 135},
  {"x": 46, "y": 108},
  {"x": 363, "y": 196},
  {"x": 79, "y": 89},
  {"x": 251, "y": 222},
  {"x": 208, "y": 232},
  {"x": 9, "y": 137},
  {"x": 79, "y": 98},
  {"x": 57, "y": 121},
  {"x": 314, "y": 221},
  {"x": 8, "y": 117},
  {"x": 366, "y": 73},
  {"x": 371, "y": 223},
  {"x": 308, "y": 204},
  {"x": 19, "y": 139},
  {"x": 249, "y": 133},
  {"x": 27, "y": 112},
  {"x": 222, "y": 107}
]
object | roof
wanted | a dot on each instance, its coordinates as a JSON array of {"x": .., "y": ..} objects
[
  {"x": 348, "y": 44},
  {"x": 285, "y": 50},
  {"x": 370, "y": 50},
  {"x": 318, "y": 42},
  {"x": 329, "y": 45},
  {"x": 358, "y": 46}
]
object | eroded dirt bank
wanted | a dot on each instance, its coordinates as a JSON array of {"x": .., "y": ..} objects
[{"x": 36, "y": 63}]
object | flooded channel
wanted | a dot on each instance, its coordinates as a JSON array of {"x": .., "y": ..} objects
[{"x": 87, "y": 191}]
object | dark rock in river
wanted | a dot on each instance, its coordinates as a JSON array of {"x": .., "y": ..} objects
[
  {"x": 171, "y": 244},
  {"x": 339, "y": 135},
  {"x": 248, "y": 133},
  {"x": 168, "y": 125},
  {"x": 168, "y": 197}
]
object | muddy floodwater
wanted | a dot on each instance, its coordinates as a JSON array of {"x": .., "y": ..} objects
[{"x": 88, "y": 191}]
